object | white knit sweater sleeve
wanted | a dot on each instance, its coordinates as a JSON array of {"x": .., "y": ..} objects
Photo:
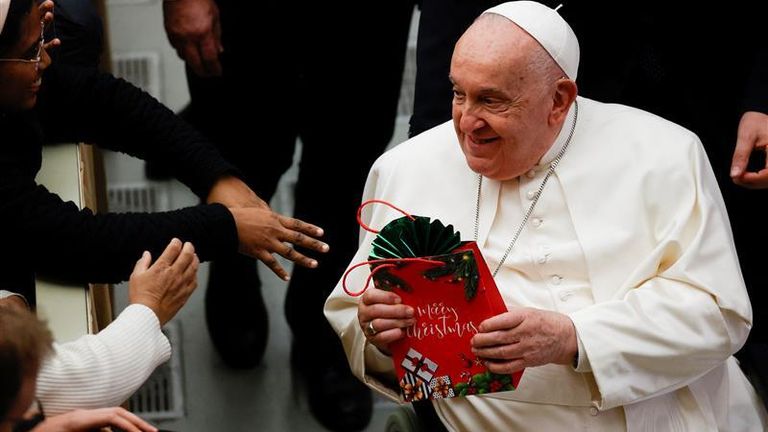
[{"x": 104, "y": 369}]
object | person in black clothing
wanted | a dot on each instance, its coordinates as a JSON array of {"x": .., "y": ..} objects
[
  {"x": 42, "y": 234},
  {"x": 328, "y": 73}
]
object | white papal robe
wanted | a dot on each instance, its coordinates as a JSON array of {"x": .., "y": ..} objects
[{"x": 630, "y": 238}]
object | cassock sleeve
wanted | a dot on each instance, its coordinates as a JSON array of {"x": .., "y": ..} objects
[{"x": 690, "y": 311}]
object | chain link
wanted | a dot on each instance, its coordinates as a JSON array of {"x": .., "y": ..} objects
[{"x": 536, "y": 197}]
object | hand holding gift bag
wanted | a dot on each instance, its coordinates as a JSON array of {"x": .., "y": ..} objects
[{"x": 451, "y": 291}]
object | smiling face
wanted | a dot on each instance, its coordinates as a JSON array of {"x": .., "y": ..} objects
[
  {"x": 507, "y": 107},
  {"x": 20, "y": 80}
]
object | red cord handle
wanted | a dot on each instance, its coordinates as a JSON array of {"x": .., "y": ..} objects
[
  {"x": 390, "y": 263},
  {"x": 360, "y": 213}
]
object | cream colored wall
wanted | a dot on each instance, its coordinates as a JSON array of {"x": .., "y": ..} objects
[{"x": 65, "y": 307}]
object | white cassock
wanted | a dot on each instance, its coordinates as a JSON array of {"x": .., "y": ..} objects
[{"x": 630, "y": 238}]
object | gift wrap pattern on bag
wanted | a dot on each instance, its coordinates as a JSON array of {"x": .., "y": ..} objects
[{"x": 451, "y": 292}]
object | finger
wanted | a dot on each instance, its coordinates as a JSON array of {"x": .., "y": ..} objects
[
  {"x": 492, "y": 339},
  {"x": 505, "y": 367},
  {"x": 124, "y": 424},
  {"x": 383, "y": 324},
  {"x": 190, "y": 287},
  {"x": 300, "y": 239},
  {"x": 190, "y": 273},
  {"x": 185, "y": 258},
  {"x": 387, "y": 337},
  {"x": 744, "y": 145},
  {"x": 301, "y": 226},
  {"x": 292, "y": 254},
  {"x": 53, "y": 43},
  {"x": 374, "y": 295},
  {"x": 382, "y": 310},
  {"x": 143, "y": 263},
  {"x": 500, "y": 352},
  {"x": 136, "y": 420},
  {"x": 270, "y": 261},
  {"x": 170, "y": 253},
  {"x": 46, "y": 8},
  {"x": 507, "y": 320},
  {"x": 128, "y": 422},
  {"x": 190, "y": 55},
  {"x": 753, "y": 180},
  {"x": 209, "y": 53}
]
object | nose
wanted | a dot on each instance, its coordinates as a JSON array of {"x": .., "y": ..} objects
[{"x": 470, "y": 120}]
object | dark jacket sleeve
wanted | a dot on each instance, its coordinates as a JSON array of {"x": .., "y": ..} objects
[
  {"x": 82, "y": 104},
  {"x": 757, "y": 88},
  {"x": 72, "y": 244}
]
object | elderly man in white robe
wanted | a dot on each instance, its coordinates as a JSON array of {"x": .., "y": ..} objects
[{"x": 624, "y": 292}]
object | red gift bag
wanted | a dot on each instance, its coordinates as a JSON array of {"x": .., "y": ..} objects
[{"x": 451, "y": 295}]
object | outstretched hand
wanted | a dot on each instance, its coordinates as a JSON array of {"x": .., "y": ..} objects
[
  {"x": 262, "y": 232},
  {"x": 166, "y": 285}
]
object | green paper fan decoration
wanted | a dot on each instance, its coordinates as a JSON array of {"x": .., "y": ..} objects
[{"x": 410, "y": 238}]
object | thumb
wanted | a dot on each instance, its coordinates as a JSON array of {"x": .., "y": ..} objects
[{"x": 143, "y": 263}]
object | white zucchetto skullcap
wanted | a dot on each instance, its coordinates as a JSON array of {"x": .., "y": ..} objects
[{"x": 548, "y": 28}]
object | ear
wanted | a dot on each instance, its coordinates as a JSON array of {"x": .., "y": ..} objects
[{"x": 564, "y": 95}]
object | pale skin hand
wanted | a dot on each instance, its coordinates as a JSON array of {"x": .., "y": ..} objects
[
  {"x": 88, "y": 420},
  {"x": 752, "y": 134},
  {"x": 166, "y": 285},
  {"x": 194, "y": 30},
  {"x": 388, "y": 314},
  {"x": 525, "y": 337},
  {"x": 261, "y": 231}
]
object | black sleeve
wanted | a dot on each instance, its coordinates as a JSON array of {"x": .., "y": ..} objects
[
  {"x": 82, "y": 104},
  {"x": 72, "y": 244},
  {"x": 757, "y": 89}
]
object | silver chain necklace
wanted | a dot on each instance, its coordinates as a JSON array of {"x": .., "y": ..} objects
[{"x": 551, "y": 171}]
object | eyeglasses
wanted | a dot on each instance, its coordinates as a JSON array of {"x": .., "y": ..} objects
[{"x": 35, "y": 57}]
